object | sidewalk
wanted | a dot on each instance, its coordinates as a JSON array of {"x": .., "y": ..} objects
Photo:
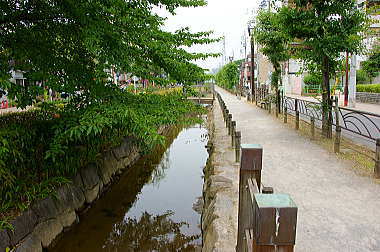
[
  {"x": 366, "y": 107},
  {"x": 337, "y": 209}
]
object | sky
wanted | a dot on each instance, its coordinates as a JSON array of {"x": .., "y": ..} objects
[{"x": 227, "y": 18}]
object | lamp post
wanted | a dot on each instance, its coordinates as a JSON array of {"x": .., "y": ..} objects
[{"x": 253, "y": 88}]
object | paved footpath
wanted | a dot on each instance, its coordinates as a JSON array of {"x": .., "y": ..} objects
[{"x": 337, "y": 209}]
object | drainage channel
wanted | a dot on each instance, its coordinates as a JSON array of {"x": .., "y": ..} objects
[{"x": 151, "y": 207}]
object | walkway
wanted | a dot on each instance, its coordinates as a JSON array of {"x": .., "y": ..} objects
[{"x": 337, "y": 209}]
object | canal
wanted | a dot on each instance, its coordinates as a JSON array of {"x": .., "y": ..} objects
[{"x": 151, "y": 207}]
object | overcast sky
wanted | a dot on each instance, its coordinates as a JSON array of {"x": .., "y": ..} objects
[{"x": 224, "y": 17}]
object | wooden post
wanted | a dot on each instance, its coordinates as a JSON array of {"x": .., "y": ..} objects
[
  {"x": 338, "y": 131},
  {"x": 297, "y": 114},
  {"x": 267, "y": 190},
  {"x": 237, "y": 145},
  {"x": 228, "y": 120},
  {"x": 377, "y": 159},
  {"x": 233, "y": 132},
  {"x": 275, "y": 226},
  {"x": 285, "y": 115},
  {"x": 312, "y": 128},
  {"x": 269, "y": 107},
  {"x": 252, "y": 160},
  {"x": 229, "y": 124},
  {"x": 226, "y": 112},
  {"x": 251, "y": 163},
  {"x": 277, "y": 108}
]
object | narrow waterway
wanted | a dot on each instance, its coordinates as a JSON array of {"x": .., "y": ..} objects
[{"x": 151, "y": 207}]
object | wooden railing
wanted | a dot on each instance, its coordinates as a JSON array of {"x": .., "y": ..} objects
[{"x": 266, "y": 221}]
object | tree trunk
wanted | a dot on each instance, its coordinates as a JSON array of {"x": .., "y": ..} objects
[
  {"x": 275, "y": 78},
  {"x": 326, "y": 101},
  {"x": 279, "y": 94}
]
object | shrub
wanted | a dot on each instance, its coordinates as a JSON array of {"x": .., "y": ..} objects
[
  {"x": 312, "y": 79},
  {"x": 362, "y": 77},
  {"x": 369, "y": 88},
  {"x": 42, "y": 148}
]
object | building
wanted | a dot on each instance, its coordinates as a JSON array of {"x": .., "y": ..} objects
[{"x": 246, "y": 72}]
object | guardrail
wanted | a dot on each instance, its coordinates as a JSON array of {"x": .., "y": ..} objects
[{"x": 266, "y": 221}]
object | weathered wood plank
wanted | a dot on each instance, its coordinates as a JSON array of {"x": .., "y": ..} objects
[{"x": 249, "y": 239}]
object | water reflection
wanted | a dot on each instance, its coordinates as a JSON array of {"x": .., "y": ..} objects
[
  {"x": 133, "y": 215},
  {"x": 150, "y": 233}
]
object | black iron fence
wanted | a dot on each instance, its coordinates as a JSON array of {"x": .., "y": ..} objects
[{"x": 360, "y": 123}]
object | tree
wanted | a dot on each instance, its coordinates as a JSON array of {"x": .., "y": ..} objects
[
  {"x": 228, "y": 76},
  {"x": 68, "y": 44},
  {"x": 151, "y": 233},
  {"x": 372, "y": 65},
  {"x": 324, "y": 30},
  {"x": 274, "y": 44}
]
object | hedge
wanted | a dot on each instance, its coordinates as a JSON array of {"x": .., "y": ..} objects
[{"x": 369, "y": 88}]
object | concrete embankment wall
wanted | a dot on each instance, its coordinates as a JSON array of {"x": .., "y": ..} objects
[
  {"x": 364, "y": 97},
  {"x": 220, "y": 190},
  {"x": 37, "y": 227}
]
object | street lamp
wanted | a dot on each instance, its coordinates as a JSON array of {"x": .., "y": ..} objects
[{"x": 253, "y": 88}]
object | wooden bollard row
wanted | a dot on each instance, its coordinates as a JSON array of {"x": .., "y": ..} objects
[{"x": 231, "y": 126}]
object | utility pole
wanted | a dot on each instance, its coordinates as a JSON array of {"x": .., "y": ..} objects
[
  {"x": 253, "y": 88},
  {"x": 352, "y": 83},
  {"x": 253, "y": 69},
  {"x": 346, "y": 84},
  {"x": 224, "y": 50}
]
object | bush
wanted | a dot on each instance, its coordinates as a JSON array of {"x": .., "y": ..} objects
[
  {"x": 362, "y": 77},
  {"x": 312, "y": 79},
  {"x": 369, "y": 88},
  {"x": 42, "y": 148}
]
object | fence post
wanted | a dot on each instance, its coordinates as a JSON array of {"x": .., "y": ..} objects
[
  {"x": 269, "y": 107},
  {"x": 285, "y": 115},
  {"x": 297, "y": 114},
  {"x": 233, "y": 130},
  {"x": 226, "y": 112},
  {"x": 377, "y": 159},
  {"x": 250, "y": 165},
  {"x": 237, "y": 145},
  {"x": 229, "y": 124},
  {"x": 312, "y": 128},
  {"x": 229, "y": 118},
  {"x": 338, "y": 131},
  {"x": 277, "y": 108}
]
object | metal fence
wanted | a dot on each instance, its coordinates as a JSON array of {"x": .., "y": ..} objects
[{"x": 363, "y": 124}]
